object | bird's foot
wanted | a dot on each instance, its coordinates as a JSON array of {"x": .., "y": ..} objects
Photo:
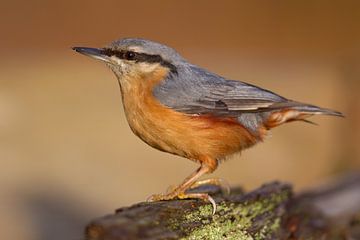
[
  {"x": 203, "y": 196},
  {"x": 222, "y": 183},
  {"x": 191, "y": 182},
  {"x": 174, "y": 195},
  {"x": 171, "y": 193}
]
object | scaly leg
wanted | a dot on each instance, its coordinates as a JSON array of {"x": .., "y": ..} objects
[
  {"x": 225, "y": 187},
  {"x": 179, "y": 192}
]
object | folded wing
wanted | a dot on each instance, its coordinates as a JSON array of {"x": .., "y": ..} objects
[{"x": 197, "y": 91}]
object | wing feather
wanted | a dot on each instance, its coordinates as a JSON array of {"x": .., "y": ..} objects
[{"x": 196, "y": 91}]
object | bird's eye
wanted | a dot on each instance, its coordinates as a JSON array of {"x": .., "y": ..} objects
[{"x": 130, "y": 55}]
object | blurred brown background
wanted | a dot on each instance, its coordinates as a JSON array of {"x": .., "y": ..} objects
[{"x": 67, "y": 154}]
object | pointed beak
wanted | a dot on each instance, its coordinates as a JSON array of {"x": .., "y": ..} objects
[{"x": 96, "y": 53}]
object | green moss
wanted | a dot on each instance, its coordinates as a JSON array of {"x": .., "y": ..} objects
[{"x": 236, "y": 221}]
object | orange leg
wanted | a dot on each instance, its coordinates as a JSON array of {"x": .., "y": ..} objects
[
  {"x": 224, "y": 185},
  {"x": 179, "y": 192}
]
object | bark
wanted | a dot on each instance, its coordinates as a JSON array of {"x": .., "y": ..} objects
[{"x": 269, "y": 212}]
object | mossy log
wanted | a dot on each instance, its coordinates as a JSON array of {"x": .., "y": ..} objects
[{"x": 269, "y": 212}]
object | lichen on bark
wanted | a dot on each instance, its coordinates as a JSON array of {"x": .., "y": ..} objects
[
  {"x": 247, "y": 219},
  {"x": 256, "y": 215}
]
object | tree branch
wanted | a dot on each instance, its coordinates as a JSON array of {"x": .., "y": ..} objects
[{"x": 269, "y": 212}]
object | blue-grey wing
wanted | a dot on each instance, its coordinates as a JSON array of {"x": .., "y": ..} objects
[{"x": 196, "y": 91}]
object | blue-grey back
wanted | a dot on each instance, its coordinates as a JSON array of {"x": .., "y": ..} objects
[{"x": 195, "y": 90}]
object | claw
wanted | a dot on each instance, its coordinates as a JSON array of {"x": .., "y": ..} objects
[
  {"x": 225, "y": 187},
  {"x": 213, "y": 203},
  {"x": 151, "y": 199},
  {"x": 203, "y": 196}
]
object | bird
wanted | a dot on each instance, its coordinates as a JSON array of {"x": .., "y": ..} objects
[{"x": 183, "y": 109}]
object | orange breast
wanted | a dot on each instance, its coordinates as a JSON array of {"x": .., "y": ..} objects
[{"x": 193, "y": 137}]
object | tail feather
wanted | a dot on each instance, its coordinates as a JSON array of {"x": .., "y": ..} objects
[
  {"x": 308, "y": 121},
  {"x": 295, "y": 111},
  {"x": 311, "y": 109}
]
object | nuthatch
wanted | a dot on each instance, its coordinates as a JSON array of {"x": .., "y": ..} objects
[{"x": 180, "y": 108}]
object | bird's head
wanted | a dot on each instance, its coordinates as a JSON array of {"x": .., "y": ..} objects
[{"x": 132, "y": 57}]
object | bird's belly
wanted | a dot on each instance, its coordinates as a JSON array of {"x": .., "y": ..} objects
[
  {"x": 193, "y": 137},
  {"x": 189, "y": 136}
]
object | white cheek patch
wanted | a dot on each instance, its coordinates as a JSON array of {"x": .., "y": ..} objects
[
  {"x": 147, "y": 67},
  {"x": 116, "y": 60}
]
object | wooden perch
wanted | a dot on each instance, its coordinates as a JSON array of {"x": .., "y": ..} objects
[{"x": 269, "y": 212}]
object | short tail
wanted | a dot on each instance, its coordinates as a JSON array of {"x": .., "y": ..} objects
[
  {"x": 296, "y": 111},
  {"x": 315, "y": 110}
]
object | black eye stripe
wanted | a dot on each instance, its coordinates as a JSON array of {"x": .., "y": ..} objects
[
  {"x": 139, "y": 57},
  {"x": 130, "y": 55}
]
